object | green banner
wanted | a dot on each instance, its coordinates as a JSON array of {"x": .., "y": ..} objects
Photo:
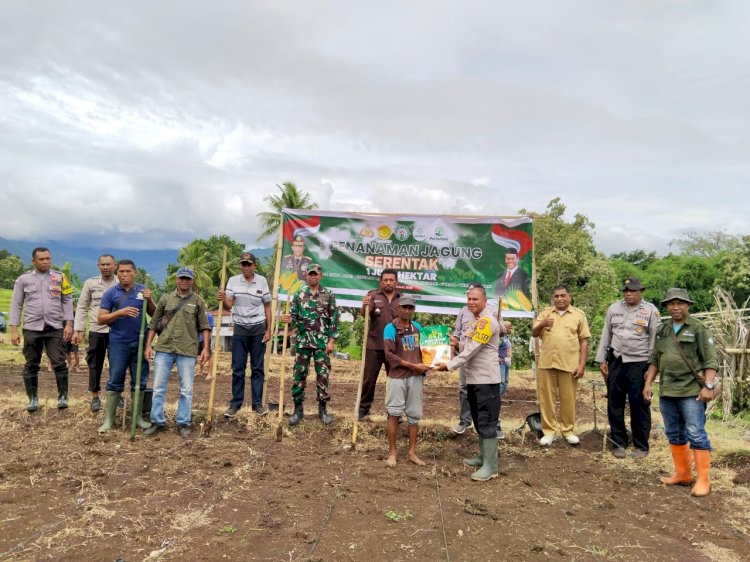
[{"x": 436, "y": 256}]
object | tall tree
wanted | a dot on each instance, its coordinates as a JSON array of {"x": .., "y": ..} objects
[
  {"x": 565, "y": 255},
  {"x": 290, "y": 197},
  {"x": 707, "y": 244}
]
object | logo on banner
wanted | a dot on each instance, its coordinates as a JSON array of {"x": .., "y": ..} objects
[
  {"x": 418, "y": 233},
  {"x": 367, "y": 232},
  {"x": 402, "y": 233},
  {"x": 384, "y": 232}
]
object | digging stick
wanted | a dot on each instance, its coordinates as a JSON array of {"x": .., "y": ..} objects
[
  {"x": 279, "y": 427},
  {"x": 361, "y": 377},
  {"x": 217, "y": 336},
  {"x": 270, "y": 344},
  {"x": 138, "y": 368}
]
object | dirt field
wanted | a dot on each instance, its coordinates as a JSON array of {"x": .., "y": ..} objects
[{"x": 67, "y": 493}]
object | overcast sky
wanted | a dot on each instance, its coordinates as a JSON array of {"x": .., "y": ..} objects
[{"x": 146, "y": 124}]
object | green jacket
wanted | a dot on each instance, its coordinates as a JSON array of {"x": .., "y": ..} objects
[
  {"x": 315, "y": 317},
  {"x": 676, "y": 378},
  {"x": 181, "y": 334}
]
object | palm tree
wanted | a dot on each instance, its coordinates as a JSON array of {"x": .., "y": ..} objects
[{"x": 291, "y": 198}]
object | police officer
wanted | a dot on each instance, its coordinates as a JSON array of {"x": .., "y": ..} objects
[
  {"x": 479, "y": 357},
  {"x": 45, "y": 296},
  {"x": 625, "y": 346},
  {"x": 88, "y": 308},
  {"x": 313, "y": 314},
  {"x": 683, "y": 348},
  {"x": 297, "y": 261}
]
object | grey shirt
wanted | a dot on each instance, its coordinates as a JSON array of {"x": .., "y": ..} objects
[
  {"x": 88, "y": 304},
  {"x": 629, "y": 331},
  {"x": 249, "y": 299},
  {"x": 42, "y": 299},
  {"x": 479, "y": 354}
]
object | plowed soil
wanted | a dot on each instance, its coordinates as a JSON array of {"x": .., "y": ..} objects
[{"x": 67, "y": 493}]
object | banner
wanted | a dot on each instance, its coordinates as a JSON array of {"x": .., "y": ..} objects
[{"x": 436, "y": 257}]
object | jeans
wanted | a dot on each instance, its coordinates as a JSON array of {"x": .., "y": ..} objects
[
  {"x": 124, "y": 355},
  {"x": 241, "y": 347},
  {"x": 163, "y": 363},
  {"x": 685, "y": 421}
]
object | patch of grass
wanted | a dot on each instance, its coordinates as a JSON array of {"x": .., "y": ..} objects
[
  {"x": 227, "y": 530},
  {"x": 5, "y": 296},
  {"x": 395, "y": 516}
]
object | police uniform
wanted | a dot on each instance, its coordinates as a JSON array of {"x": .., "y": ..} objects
[
  {"x": 626, "y": 343},
  {"x": 47, "y": 303},
  {"x": 299, "y": 265},
  {"x": 315, "y": 317}
]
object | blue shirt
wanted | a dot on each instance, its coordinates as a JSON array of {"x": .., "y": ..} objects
[{"x": 125, "y": 328}]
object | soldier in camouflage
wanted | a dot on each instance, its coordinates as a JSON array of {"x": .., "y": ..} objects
[{"x": 315, "y": 318}]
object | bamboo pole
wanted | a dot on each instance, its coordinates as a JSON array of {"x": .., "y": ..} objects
[
  {"x": 274, "y": 307},
  {"x": 361, "y": 376},
  {"x": 217, "y": 338},
  {"x": 138, "y": 369},
  {"x": 279, "y": 427}
]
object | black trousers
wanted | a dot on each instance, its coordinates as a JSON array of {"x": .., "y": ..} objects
[
  {"x": 35, "y": 343},
  {"x": 374, "y": 359},
  {"x": 484, "y": 403},
  {"x": 95, "y": 354},
  {"x": 625, "y": 382}
]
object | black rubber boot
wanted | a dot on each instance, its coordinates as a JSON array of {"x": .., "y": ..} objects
[
  {"x": 31, "y": 383},
  {"x": 62, "y": 389},
  {"x": 297, "y": 415},
  {"x": 323, "y": 413}
]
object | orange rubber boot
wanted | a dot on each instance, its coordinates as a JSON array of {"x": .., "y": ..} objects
[
  {"x": 703, "y": 468},
  {"x": 683, "y": 466}
]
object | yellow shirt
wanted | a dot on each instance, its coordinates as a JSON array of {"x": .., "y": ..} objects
[{"x": 561, "y": 347}]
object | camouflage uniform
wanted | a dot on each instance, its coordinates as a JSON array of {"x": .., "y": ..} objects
[{"x": 316, "y": 319}]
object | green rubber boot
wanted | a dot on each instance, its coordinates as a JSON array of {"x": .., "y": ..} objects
[
  {"x": 139, "y": 421},
  {"x": 478, "y": 460},
  {"x": 489, "y": 468},
  {"x": 113, "y": 398}
]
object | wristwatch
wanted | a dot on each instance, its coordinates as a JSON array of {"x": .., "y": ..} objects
[{"x": 711, "y": 385}]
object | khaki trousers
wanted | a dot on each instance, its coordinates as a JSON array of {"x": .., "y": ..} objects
[{"x": 550, "y": 383}]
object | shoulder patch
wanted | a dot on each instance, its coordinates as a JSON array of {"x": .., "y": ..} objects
[{"x": 482, "y": 331}]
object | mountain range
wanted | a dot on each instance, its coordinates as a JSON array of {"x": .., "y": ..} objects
[{"x": 83, "y": 259}]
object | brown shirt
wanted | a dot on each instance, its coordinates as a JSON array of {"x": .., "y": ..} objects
[
  {"x": 382, "y": 313},
  {"x": 561, "y": 345}
]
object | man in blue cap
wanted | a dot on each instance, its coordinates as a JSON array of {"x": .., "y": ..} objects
[{"x": 179, "y": 316}]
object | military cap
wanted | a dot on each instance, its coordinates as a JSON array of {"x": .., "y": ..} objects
[
  {"x": 632, "y": 284},
  {"x": 677, "y": 294},
  {"x": 248, "y": 257},
  {"x": 298, "y": 240},
  {"x": 315, "y": 267}
]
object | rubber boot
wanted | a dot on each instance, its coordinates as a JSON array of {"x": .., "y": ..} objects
[
  {"x": 297, "y": 415},
  {"x": 139, "y": 421},
  {"x": 113, "y": 397},
  {"x": 323, "y": 413},
  {"x": 62, "y": 390},
  {"x": 703, "y": 469},
  {"x": 31, "y": 382},
  {"x": 477, "y": 461},
  {"x": 683, "y": 474},
  {"x": 489, "y": 454}
]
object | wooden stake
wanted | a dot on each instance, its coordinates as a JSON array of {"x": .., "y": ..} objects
[
  {"x": 361, "y": 377},
  {"x": 217, "y": 337},
  {"x": 279, "y": 426},
  {"x": 270, "y": 348}
]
